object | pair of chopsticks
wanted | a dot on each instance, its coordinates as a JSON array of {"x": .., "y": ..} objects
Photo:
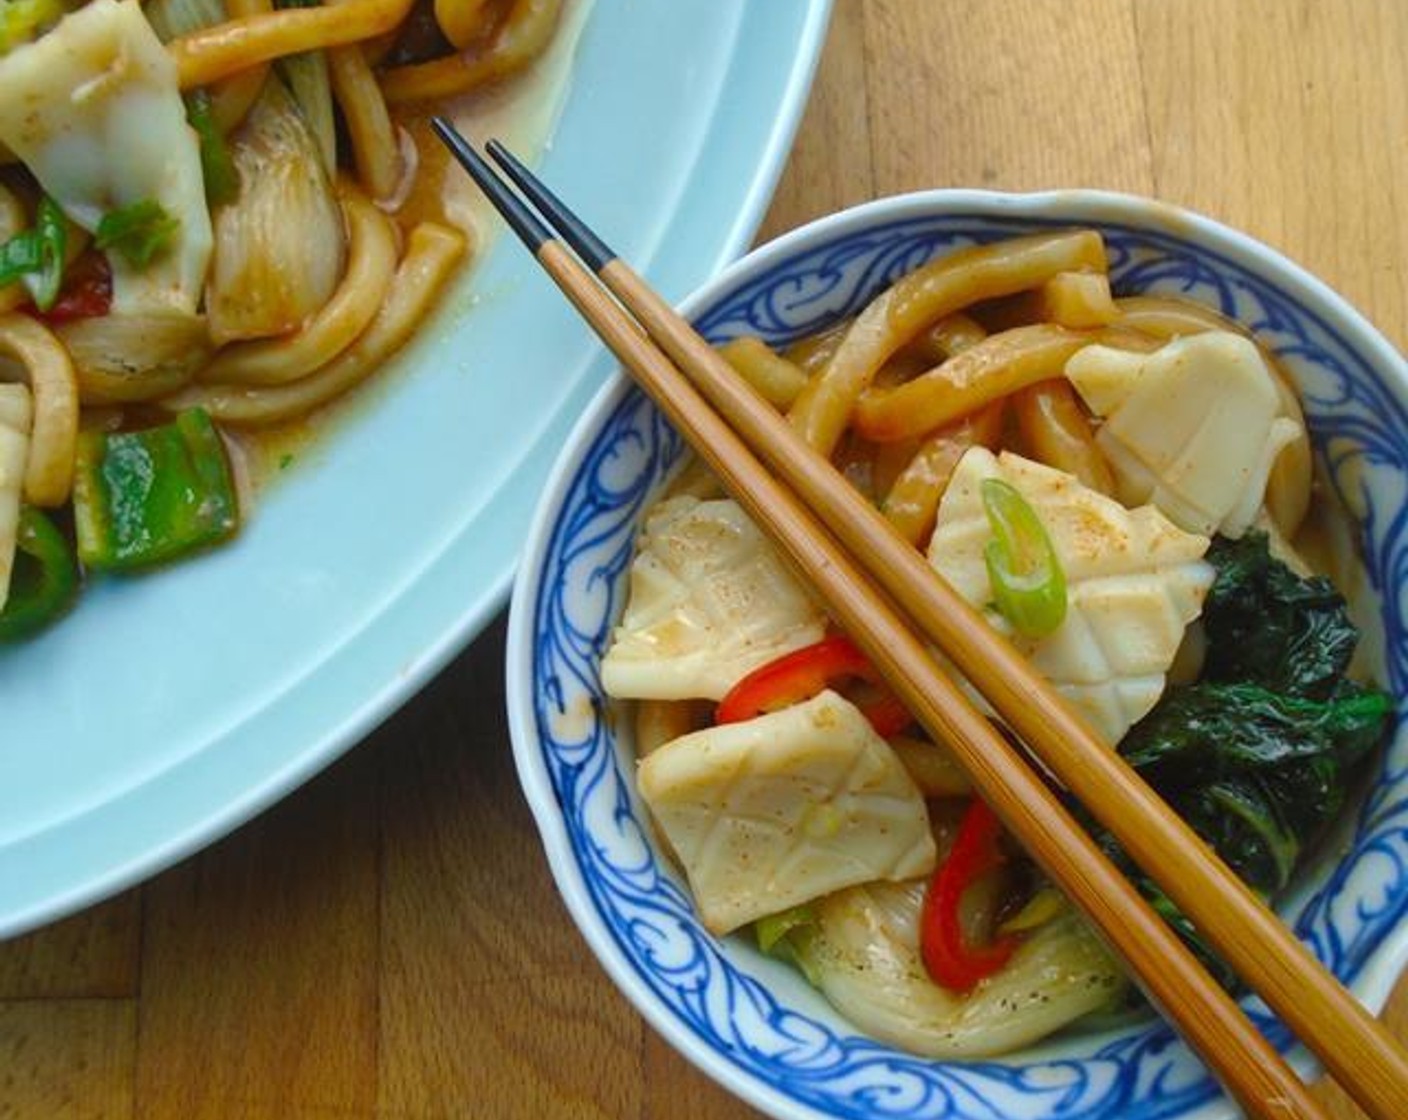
[{"x": 890, "y": 601}]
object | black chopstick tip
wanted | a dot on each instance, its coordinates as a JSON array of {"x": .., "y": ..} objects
[
  {"x": 595, "y": 253},
  {"x": 529, "y": 228},
  {"x": 444, "y": 129}
]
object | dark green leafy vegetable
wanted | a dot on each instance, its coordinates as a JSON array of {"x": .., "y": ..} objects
[
  {"x": 141, "y": 232},
  {"x": 1257, "y": 774},
  {"x": 1268, "y": 625},
  {"x": 1259, "y": 755},
  {"x": 145, "y": 497},
  {"x": 222, "y": 180},
  {"x": 44, "y": 581}
]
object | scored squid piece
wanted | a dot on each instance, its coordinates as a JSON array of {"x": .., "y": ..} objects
[
  {"x": 1134, "y": 581},
  {"x": 94, "y": 111},
  {"x": 776, "y": 811},
  {"x": 710, "y": 600},
  {"x": 1194, "y": 427}
]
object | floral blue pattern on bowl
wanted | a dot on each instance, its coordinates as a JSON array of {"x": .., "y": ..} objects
[{"x": 748, "y": 1020}]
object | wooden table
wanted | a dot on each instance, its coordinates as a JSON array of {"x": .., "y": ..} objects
[{"x": 387, "y": 942}]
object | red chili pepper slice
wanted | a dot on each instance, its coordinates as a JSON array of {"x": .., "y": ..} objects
[
  {"x": 952, "y": 962},
  {"x": 801, "y": 674},
  {"x": 87, "y": 291}
]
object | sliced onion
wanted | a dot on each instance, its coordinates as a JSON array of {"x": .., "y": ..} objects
[
  {"x": 863, "y": 953},
  {"x": 121, "y": 358},
  {"x": 280, "y": 248}
]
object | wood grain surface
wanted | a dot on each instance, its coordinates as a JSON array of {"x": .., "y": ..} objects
[{"x": 387, "y": 941}]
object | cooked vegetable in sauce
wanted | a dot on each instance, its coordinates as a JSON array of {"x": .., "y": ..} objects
[
  {"x": 214, "y": 220},
  {"x": 1119, "y": 486}
]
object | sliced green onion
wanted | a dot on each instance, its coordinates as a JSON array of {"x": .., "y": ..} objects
[
  {"x": 222, "y": 180},
  {"x": 19, "y": 256},
  {"x": 1028, "y": 585},
  {"x": 44, "y": 581},
  {"x": 141, "y": 232},
  {"x": 52, "y": 227},
  {"x": 36, "y": 256},
  {"x": 774, "y": 927},
  {"x": 775, "y": 934}
]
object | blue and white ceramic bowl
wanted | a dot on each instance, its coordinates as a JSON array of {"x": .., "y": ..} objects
[{"x": 752, "y": 1023}]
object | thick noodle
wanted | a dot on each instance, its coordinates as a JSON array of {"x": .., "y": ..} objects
[
  {"x": 917, "y": 301},
  {"x": 380, "y": 165},
  {"x": 48, "y": 477},
  {"x": 432, "y": 252},
  {"x": 987, "y": 371},
  {"x": 776, "y": 379},
  {"x": 371, "y": 264},
  {"x": 912, "y": 502},
  {"x": 231, "y": 100},
  {"x": 1056, "y": 431},
  {"x": 524, "y": 35},
  {"x": 218, "y": 52}
]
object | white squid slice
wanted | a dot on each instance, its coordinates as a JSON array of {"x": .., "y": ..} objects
[
  {"x": 779, "y": 810},
  {"x": 709, "y": 601},
  {"x": 1194, "y": 427},
  {"x": 93, "y": 109},
  {"x": 1134, "y": 580}
]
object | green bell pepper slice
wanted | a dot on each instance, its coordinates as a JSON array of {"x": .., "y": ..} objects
[
  {"x": 146, "y": 497},
  {"x": 44, "y": 581}
]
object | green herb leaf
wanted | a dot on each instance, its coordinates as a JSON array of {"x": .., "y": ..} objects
[
  {"x": 1259, "y": 756},
  {"x": 141, "y": 232},
  {"x": 1254, "y": 772}
]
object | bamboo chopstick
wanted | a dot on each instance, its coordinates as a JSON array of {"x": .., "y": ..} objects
[
  {"x": 1231, "y": 1046},
  {"x": 1352, "y": 1043}
]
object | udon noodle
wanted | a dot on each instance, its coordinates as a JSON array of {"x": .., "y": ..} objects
[
  {"x": 1125, "y": 489},
  {"x": 214, "y": 221}
]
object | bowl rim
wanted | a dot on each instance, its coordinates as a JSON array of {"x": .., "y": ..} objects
[{"x": 1070, "y": 206}]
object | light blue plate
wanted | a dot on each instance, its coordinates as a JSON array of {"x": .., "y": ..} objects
[
  {"x": 752, "y": 1022},
  {"x": 170, "y": 708}
]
